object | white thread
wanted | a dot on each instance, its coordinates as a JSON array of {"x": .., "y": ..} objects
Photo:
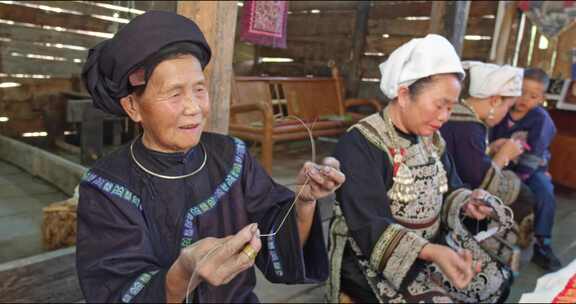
[
  {"x": 195, "y": 272},
  {"x": 202, "y": 260},
  {"x": 288, "y": 212},
  {"x": 313, "y": 144}
]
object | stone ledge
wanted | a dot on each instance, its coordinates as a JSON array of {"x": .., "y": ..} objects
[{"x": 60, "y": 172}]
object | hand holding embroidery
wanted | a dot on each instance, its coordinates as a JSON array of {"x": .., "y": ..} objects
[{"x": 476, "y": 207}]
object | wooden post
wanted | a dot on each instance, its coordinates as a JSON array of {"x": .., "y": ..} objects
[
  {"x": 217, "y": 20},
  {"x": 566, "y": 42},
  {"x": 449, "y": 19},
  {"x": 525, "y": 45},
  {"x": 358, "y": 43},
  {"x": 505, "y": 32},
  {"x": 537, "y": 53},
  {"x": 255, "y": 68},
  {"x": 550, "y": 60},
  {"x": 91, "y": 139}
]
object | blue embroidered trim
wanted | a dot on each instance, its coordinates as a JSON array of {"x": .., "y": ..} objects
[
  {"x": 274, "y": 255},
  {"x": 138, "y": 285},
  {"x": 221, "y": 190},
  {"x": 112, "y": 188}
]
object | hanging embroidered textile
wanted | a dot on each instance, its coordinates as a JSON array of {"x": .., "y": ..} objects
[
  {"x": 264, "y": 23},
  {"x": 551, "y": 17}
]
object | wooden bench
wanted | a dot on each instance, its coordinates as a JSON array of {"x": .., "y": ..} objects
[{"x": 262, "y": 107}]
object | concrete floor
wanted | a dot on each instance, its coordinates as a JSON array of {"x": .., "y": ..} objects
[{"x": 22, "y": 198}]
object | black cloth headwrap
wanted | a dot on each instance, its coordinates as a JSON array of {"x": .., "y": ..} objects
[{"x": 144, "y": 42}]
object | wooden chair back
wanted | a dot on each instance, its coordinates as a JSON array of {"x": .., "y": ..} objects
[
  {"x": 250, "y": 90},
  {"x": 312, "y": 98}
]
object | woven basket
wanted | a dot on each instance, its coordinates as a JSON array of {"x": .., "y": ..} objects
[{"x": 59, "y": 224}]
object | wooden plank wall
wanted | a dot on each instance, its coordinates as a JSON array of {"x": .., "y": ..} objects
[
  {"x": 43, "y": 45},
  {"x": 555, "y": 58},
  {"x": 316, "y": 38}
]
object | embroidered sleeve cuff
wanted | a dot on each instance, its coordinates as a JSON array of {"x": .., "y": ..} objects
[
  {"x": 395, "y": 253},
  {"x": 452, "y": 206},
  {"x": 505, "y": 184},
  {"x": 137, "y": 286}
]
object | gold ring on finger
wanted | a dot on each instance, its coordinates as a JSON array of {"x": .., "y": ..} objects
[{"x": 249, "y": 251}]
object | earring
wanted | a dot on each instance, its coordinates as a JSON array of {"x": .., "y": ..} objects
[{"x": 491, "y": 113}]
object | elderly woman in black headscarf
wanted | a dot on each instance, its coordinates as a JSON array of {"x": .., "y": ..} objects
[{"x": 180, "y": 209}]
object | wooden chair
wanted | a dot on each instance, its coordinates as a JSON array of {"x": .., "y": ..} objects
[{"x": 262, "y": 107}]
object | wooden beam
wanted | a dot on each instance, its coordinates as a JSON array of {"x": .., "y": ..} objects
[
  {"x": 338, "y": 23},
  {"x": 297, "y": 6},
  {"x": 401, "y": 27},
  {"x": 30, "y": 48},
  {"x": 23, "y": 14},
  {"x": 217, "y": 19},
  {"x": 84, "y": 7},
  {"x": 27, "y": 34},
  {"x": 311, "y": 51},
  {"x": 473, "y": 50},
  {"x": 169, "y": 6},
  {"x": 450, "y": 20},
  {"x": 385, "y": 9},
  {"x": 320, "y": 39},
  {"x": 22, "y": 65},
  {"x": 377, "y": 44},
  {"x": 30, "y": 87},
  {"x": 504, "y": 37},
  {"x": 476, "y": 50},
  {"x": 369, "y": 66},
  {"x": 358, "y": 41},
  {"x": 402, "y": 9}
]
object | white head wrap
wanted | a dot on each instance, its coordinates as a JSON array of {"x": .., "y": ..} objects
[
  {"x": 416, "y": 59},
  {"x": 488, "y": 79}
]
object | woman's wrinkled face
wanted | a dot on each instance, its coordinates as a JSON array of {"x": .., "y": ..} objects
[
  {"x": 501, "y": 107},
  {"x": 426, "y": 111},
  {"x": 174, "y": 107}
]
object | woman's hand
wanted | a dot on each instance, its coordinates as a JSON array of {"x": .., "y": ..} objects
[
  {"x": 218, "y": 260},
  {"x": 322, "y": 179},
  {"x": 509, "y": 151},
  {"x": 213, "y": 260},
  {"x": 459, "y": 267},
  {"x": 496, "y": 145},
  {"x": 476, "y": 208}
]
